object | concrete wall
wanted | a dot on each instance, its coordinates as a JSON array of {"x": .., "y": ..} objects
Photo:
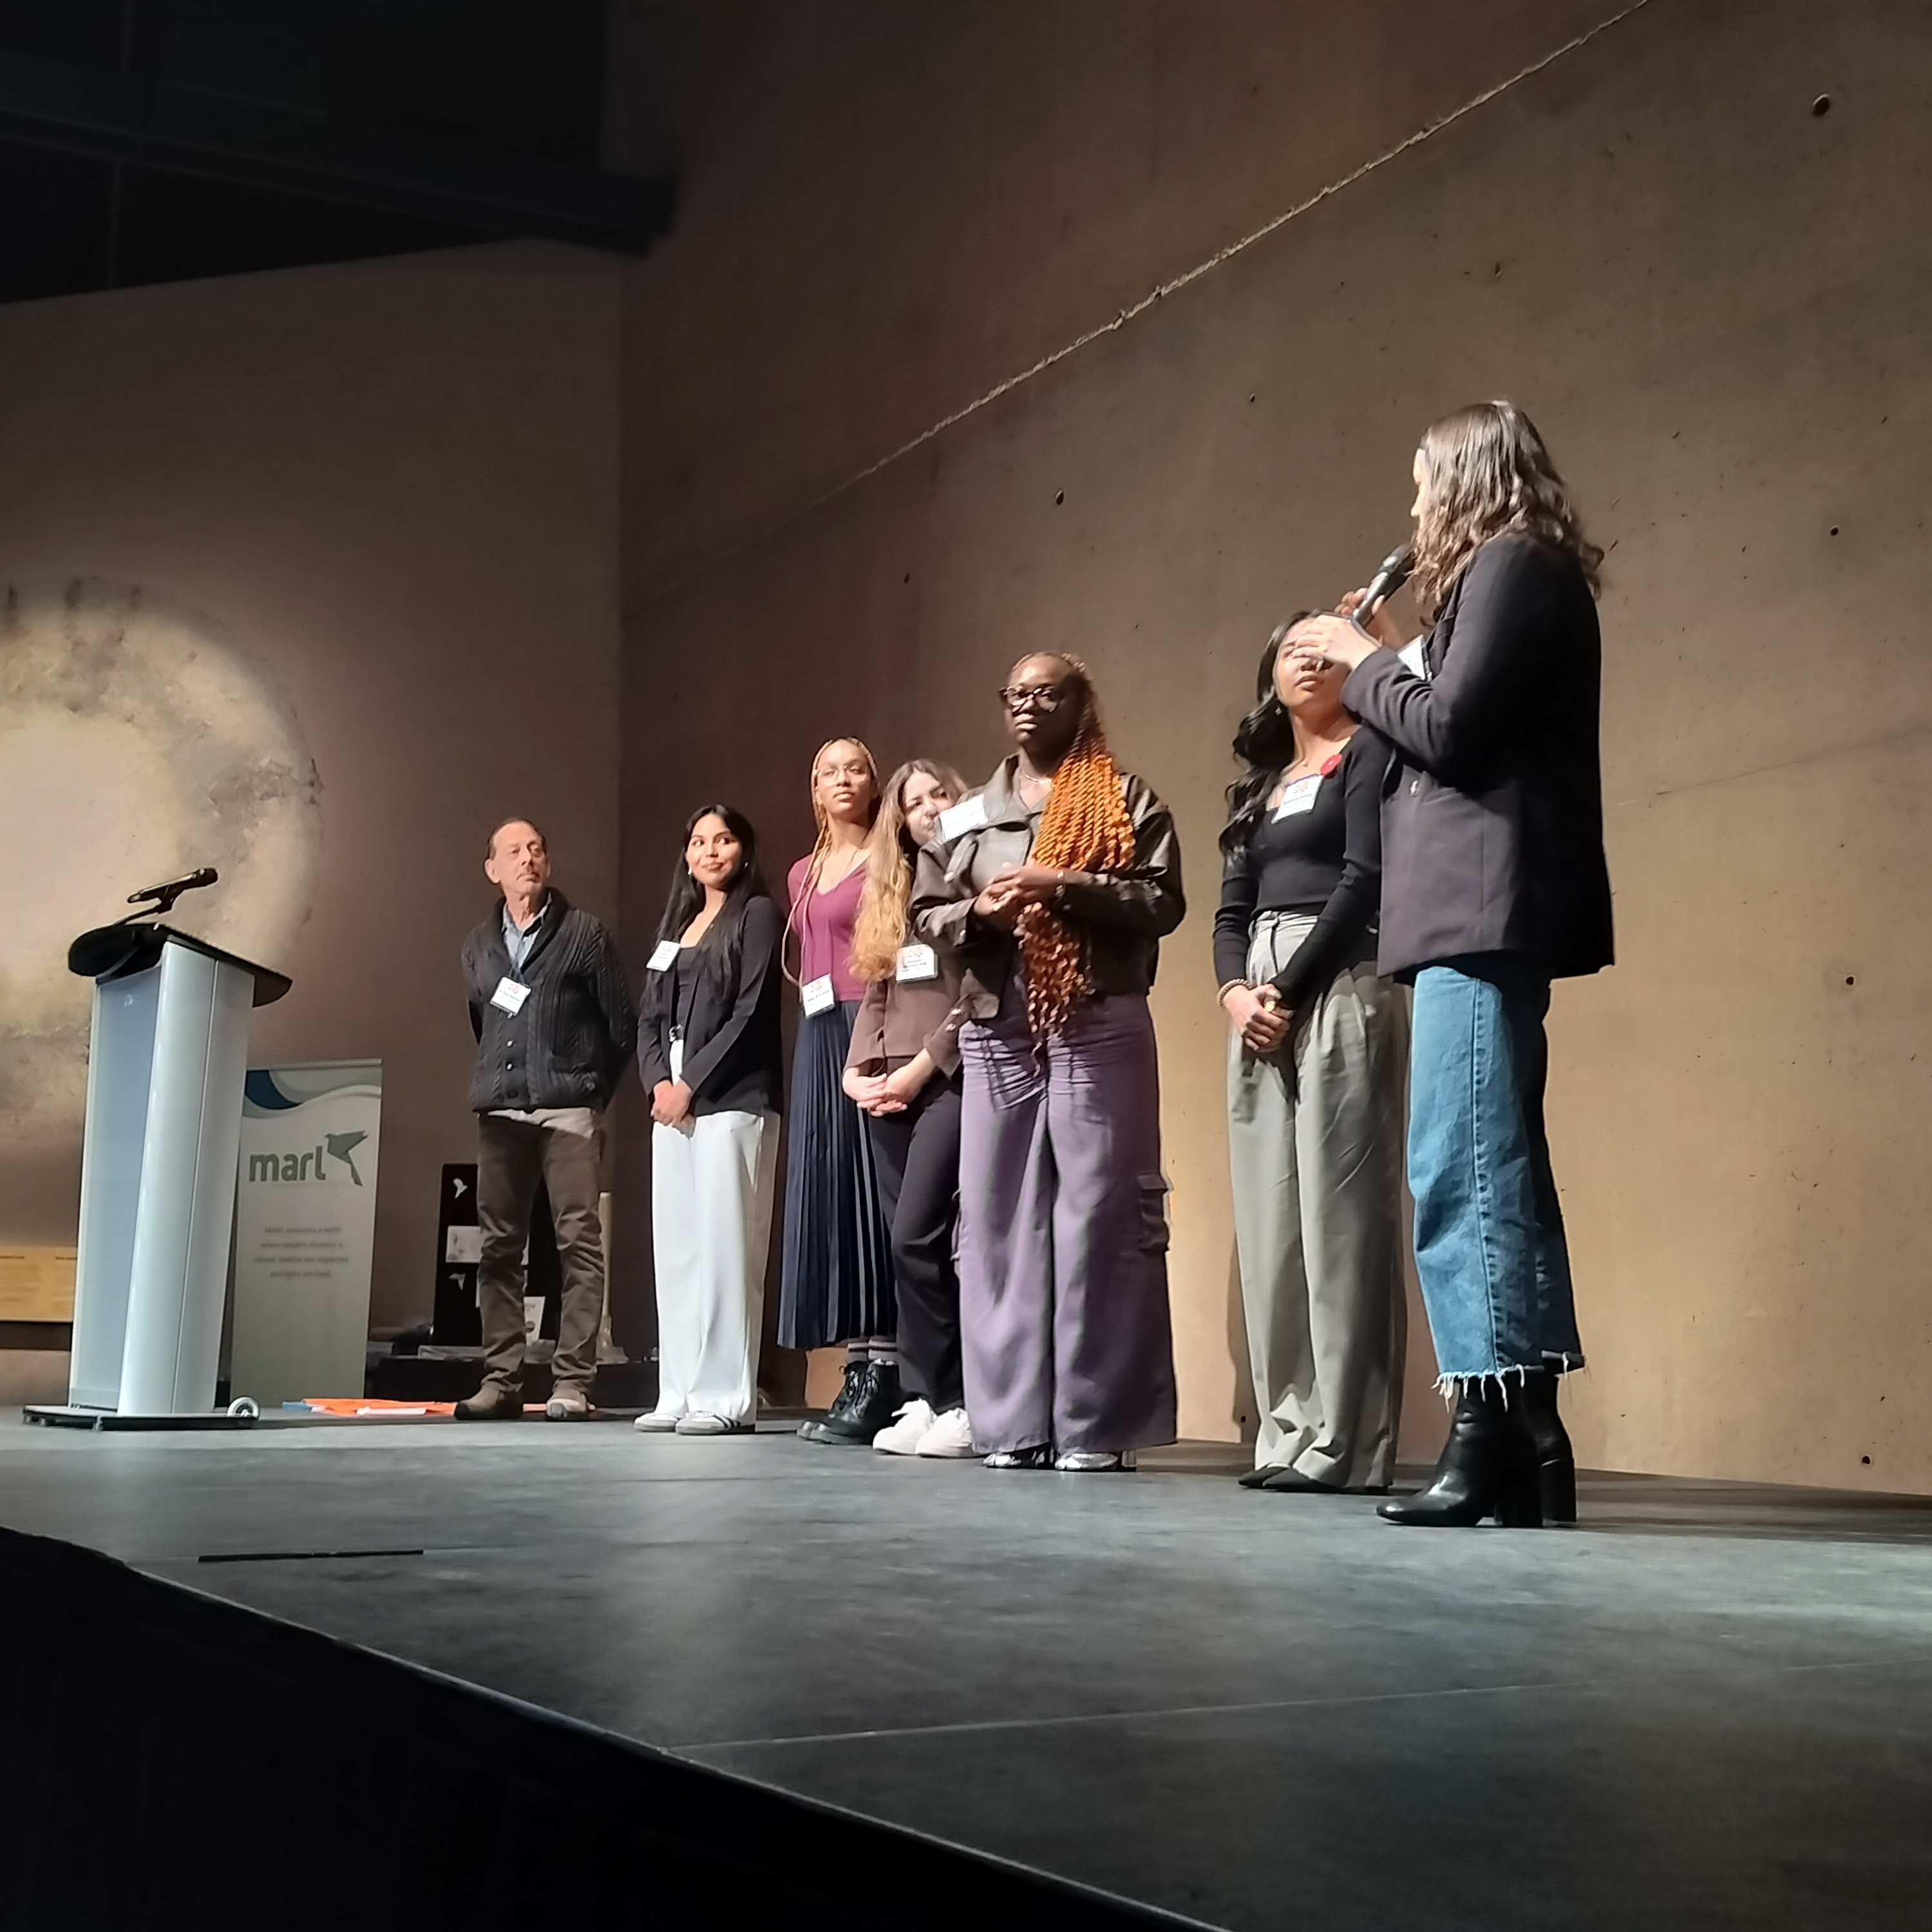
[
  {"x": 392, "y": 488},
  {"x": 1713, "y": 300}
]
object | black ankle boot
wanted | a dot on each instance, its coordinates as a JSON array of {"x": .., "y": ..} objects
[
  {"x": 874, "y": 1402},
  {"x": 814, "y": 1428},
  {"x": 1487, "y": 1468},
  {"x": 1555, "y": 1465}
]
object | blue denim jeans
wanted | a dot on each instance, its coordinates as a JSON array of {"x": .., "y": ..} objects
[{"x": 1489, "y": 1249}]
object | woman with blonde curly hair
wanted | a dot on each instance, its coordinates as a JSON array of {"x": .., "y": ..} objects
[
  {"x": 1493, "y": 884},
  {"x": 1055, "y": 885}
]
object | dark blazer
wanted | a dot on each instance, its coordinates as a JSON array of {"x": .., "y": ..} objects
[
  {"x": 733, "y": 1059},
  {"x": 567, "y": 1043},
  {"x": 1126, "y": 914},
  {"x": 1493, "y": 821}
]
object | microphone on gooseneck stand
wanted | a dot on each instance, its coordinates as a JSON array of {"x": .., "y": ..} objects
[{"x": 1391, "y": 574}]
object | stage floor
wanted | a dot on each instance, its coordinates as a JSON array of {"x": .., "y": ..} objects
[{"x": 1710, "y": 1706}]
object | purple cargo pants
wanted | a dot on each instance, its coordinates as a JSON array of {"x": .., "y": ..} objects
[{"x": 1063, "y": 1232}]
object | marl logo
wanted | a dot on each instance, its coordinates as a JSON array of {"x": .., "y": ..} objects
[{"x": 298, "y": 1167}]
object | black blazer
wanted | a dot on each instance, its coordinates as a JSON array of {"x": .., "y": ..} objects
[
  {"x": 733, "y": 1058},
  {"x": 1493, "y": 819}
]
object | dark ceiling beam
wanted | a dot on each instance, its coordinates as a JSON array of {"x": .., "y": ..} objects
[{"x": 252, "y": 144}]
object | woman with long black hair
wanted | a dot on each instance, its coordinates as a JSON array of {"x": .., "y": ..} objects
[
  {"x": 1494, "y": 884},
  {"x": 1317, "y": 1053},
  {"x": 710, "y": 1057}
]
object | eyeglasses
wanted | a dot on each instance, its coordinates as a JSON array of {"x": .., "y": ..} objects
[{"x": 1037, "y": 696}]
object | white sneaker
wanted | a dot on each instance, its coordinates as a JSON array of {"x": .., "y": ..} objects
[
  {"x": 951, "y": 1435},
  {"x": 659, "y": 1422},
  {"x": 699, "y": 1422},
  {"x": 902, "y": 1435}
]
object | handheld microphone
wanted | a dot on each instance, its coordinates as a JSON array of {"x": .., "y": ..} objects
[
  {"x": 1391, "y": 574},
  {"x": 164, "y": 894}
]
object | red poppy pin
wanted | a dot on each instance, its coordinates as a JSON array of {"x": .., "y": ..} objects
[{"x": 1332, "y": 766}]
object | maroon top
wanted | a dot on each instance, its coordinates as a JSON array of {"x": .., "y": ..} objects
[{"x": 824, "y": 922}]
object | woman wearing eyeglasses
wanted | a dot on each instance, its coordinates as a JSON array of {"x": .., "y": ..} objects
[
  {"x": 1055, "y": 885},
  {"x": 1317, "y": 1057}
]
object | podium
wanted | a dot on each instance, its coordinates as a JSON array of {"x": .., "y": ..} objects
[{"x": 169, "y": 1055}]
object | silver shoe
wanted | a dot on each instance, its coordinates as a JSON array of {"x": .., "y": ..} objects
[
  {"x": 1092, "y": 1462},
  {"x": 1035, "y": 1458}
]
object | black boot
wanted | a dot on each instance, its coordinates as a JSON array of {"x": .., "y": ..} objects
[
  {"x": 874, "y": 1403},
  {"x": 1488, "y": 1468},
  {"x": 1556, "y": 1466},
  {"x": 814, "y": 1430}
]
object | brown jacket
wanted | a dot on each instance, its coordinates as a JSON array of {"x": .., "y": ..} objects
[
  {"x": 1125, "y": 914},
  {"x": 898, "y": 1019}
]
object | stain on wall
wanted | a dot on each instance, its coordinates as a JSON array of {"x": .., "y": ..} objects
[{"x": 137, "y": 741}]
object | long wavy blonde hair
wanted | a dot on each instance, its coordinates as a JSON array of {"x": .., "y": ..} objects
[
  {"x": 1084, "y": 828},
  {"x": 890, "y": 857},
  {"x": 1486, "y": 470},
  {"x": 822, "y": 844}
]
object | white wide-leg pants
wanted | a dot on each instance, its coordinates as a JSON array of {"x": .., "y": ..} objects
[{"x": 712, "y": 1179}]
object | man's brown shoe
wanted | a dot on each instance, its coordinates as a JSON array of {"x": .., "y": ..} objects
[
  {"x": 493, "y": 1402},
  {"x": 568, "y": 1403}
]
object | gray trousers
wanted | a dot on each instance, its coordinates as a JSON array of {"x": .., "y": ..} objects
[
  {"x": 1064, "y": 1327},
  {"x": 511, "y": 1157},
  {"x": 1315, "y": 1141}
]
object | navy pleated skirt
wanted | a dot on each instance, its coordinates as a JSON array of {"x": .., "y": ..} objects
[{"x": 837, "y": 1280}]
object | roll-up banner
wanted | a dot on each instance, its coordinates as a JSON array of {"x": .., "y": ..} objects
[{"x": 305, "y": 1229}]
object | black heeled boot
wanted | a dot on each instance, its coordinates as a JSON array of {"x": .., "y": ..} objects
[
  {"x": 1487, "y": 1468},
  {"x": 1555, "y": 1465}
]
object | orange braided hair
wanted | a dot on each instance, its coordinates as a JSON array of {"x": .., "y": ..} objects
[{"x": 1084, "y": 828}]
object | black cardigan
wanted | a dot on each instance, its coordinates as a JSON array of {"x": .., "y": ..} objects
[
  {"x": 1493, "y": 819},
  {"x": 1343, "y": 926},
  {"x": 733, "y": 1058},
  {"x": 567, "y": 1045}
]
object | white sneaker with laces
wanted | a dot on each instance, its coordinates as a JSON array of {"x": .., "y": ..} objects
[
  {"x": 951, "y": 1435},
  {"x": 701, "y": 1422},
  {"x": 902, "y": 1435},
  {"x": 659, "y": 1422}
]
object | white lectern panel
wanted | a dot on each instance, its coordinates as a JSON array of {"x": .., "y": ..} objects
[
  {"x": 178, "y": 1277},
  {"x": 119, "y": 1063}
]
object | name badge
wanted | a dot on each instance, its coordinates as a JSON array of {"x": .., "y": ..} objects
[
  {"x": 509, "y": 995},
  {"x": 1300, "y": 796},
  {"x": 666, "y": 955},
  {"x": 918, "y": 962},
  {"x": 967, "y": 816},
  {"x": 818, "y": 996},
  {"x": 1412, "y": 659}
]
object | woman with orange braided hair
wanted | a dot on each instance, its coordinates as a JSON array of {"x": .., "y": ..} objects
[{"x": 1054, "y": 885}]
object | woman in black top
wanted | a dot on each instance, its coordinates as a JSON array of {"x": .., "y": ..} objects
[
  {"x": 1316, "y": 1064},
  {"x": 1495, "y": 884},
  {"x": 709, "y": 1051}
]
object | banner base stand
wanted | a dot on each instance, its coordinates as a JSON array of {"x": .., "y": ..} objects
[{"x": 66, "y": 1415}]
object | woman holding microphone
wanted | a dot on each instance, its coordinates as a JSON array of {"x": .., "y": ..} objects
[{"x": 1494, "y": 884}]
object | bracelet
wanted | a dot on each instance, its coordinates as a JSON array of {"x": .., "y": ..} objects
[{"x": 1223, "y": 994}]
